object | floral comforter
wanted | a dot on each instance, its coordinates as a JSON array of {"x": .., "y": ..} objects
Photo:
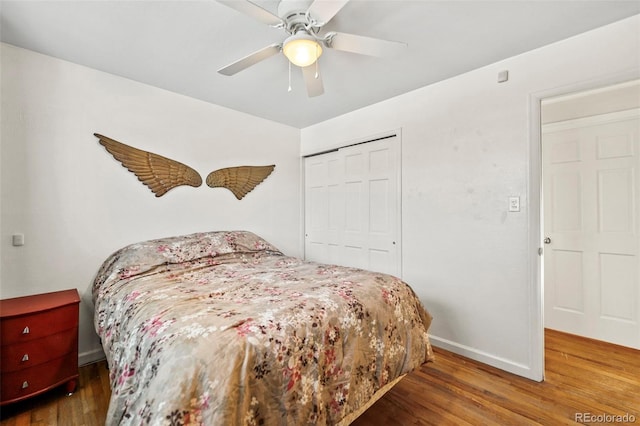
[{"x": 221, "y": 328}]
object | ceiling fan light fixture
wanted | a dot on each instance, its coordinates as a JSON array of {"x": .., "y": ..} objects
[{"x": 301, "y": 49}]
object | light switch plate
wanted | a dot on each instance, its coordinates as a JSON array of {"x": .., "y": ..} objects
[{"x": 514, "y": 204}]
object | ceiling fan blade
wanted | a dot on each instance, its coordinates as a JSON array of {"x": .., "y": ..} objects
[
  {"x": 323, "y": 10},
  {"x": 251, "y": 59},
  {"x": 312, "y": 80},
  {"x": 254, "y": 11},
  {"x": 364, "y": 45}
]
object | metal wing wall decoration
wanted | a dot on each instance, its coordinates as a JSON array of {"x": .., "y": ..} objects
[
  {"x": 240, "y": 180},
  {"x": 159, "y": 173},
  {"x": 162, "y": 174}
]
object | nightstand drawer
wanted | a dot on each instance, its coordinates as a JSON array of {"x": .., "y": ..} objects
[
  {"x": 22, "y": 383},
  {"x": 36, "y": 325},
  {"x": 19, "y": 356}
]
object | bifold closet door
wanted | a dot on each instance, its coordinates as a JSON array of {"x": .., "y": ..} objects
[{"x": 352, "y": 206}]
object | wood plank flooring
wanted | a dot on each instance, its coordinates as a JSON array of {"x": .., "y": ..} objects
[{"x": 585, "y": 380}]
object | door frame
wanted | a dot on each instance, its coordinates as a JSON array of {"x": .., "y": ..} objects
[{"x": 535, "y": 209}]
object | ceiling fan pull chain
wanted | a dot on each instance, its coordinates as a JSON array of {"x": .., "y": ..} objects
[{"x": 289, "y": 77}]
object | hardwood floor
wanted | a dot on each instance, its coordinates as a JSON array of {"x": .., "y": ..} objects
[{"x": 585, "y": 380}]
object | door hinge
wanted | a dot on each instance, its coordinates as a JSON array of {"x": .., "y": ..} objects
[{"x": 540, "y": 251}]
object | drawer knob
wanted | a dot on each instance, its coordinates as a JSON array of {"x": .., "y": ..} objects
[
  {"x": 25, "y": 357},
  {"x": 25, "y": 384},
  {"x": 26, "y": 330}
]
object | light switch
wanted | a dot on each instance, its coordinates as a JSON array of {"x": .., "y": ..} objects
[
  {"x": 17, "y": 239},
  {"x": 514, "y": 204}
]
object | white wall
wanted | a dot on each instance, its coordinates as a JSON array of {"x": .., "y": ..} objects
[
  {"x": 468, "y": 144},
  {"x": 75, "y": 204}
]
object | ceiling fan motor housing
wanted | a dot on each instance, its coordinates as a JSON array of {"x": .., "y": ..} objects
[
  {"x": 285, "y": 7},
  {"x": 294, "y": 14}
]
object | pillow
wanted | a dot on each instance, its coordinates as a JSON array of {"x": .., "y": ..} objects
[
  {"x": 140, "y": 257},
  {"x": 245, "y": 241}
]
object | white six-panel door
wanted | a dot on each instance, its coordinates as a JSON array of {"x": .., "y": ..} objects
[
  {"x": 352, "y": 206},
  {"x": 591, "y": 195}
]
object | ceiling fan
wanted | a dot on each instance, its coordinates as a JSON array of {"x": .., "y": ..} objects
[{"x": 303, "y": 20}]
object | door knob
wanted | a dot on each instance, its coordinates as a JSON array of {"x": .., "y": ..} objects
[{"x": 547, "y": 240}]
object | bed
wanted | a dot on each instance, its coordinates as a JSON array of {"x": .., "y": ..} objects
[{"x": 221, "y": 328}]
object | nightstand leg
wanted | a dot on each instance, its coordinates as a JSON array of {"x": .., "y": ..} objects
[{"x": 71, "y": 386}]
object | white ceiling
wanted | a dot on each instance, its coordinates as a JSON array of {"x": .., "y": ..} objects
[{"x": 179, "y": 45}]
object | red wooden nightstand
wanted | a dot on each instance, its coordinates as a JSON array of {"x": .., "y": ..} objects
[{"x": 38, "y": 344}]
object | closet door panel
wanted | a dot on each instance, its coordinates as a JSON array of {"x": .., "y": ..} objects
[{"x": 352, "y": 206}]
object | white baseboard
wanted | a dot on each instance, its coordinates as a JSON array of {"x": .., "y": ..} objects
[
  {"x": 90, "y": 357},
  {"x": 483, "y": 357}
]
